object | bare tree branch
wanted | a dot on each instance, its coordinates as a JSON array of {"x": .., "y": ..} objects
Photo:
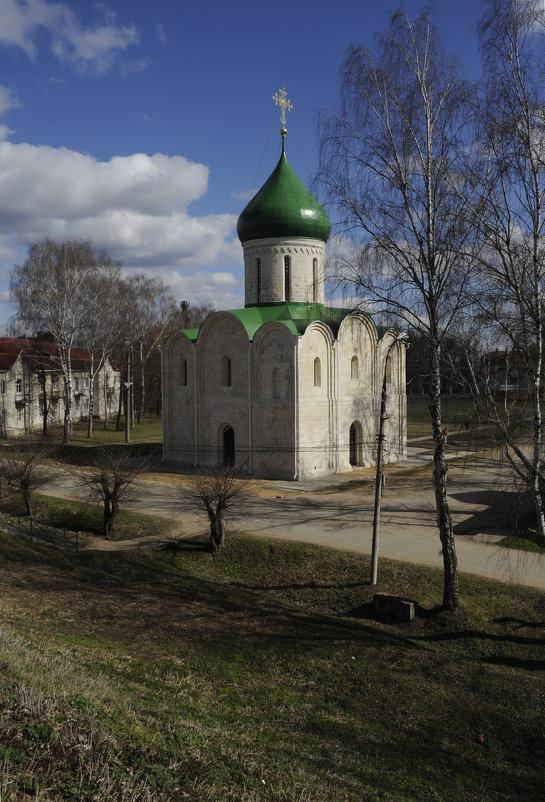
[
  {"x": 219, "y": 495},
  {"x": 392, "y": 161},
  {"x": 25, "y": 468},
  {"x": 111, "y": 479}
]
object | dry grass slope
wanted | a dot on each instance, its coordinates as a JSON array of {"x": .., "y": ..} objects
[{"x": 259, "y": 675}]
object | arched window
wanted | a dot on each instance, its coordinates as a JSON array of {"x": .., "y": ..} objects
[
  {"x": 258, "y": 268},
  {"x": 286, "y": 278},
  {"x": 276, "y": 383},
  {"x": 354, "y": 368},
  {"x": 19, "y": 386},
  {"x": 317, "y": 373},
  {"x": 228, "y": 446},
  {"x": 183, "y": 373},
  {"x": 227, "y": 373},
  {"x": 314, "y": 280},
  {"x": 355, "y": 444}
]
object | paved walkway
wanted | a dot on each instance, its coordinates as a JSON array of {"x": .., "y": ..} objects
[{"x": 343, "y": 518}]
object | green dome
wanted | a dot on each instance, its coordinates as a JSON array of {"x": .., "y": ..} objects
[{"x": 283, "y": 207}]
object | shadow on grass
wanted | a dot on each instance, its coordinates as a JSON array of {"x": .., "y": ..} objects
[
  {"x": 312, "y": 585},
  {"x": 520, "y": 622},
  {"x": 199, "y": 543},
  {"x": 152, "y": 597},
  {"x": 367, "y": 611},
  {"x": 515, "y": 662},
  {"x": 471, "y": 634}
]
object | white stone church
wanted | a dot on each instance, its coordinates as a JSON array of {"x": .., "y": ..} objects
[{"x": 287, "y": 387}]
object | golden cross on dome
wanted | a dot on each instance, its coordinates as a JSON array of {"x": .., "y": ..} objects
[{"x": 281, "y": 100}]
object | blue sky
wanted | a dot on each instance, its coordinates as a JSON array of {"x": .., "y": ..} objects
[{"x": 145, "y": 126}]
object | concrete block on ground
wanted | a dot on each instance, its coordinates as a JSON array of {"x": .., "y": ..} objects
[{"x": 393, "y": 608}]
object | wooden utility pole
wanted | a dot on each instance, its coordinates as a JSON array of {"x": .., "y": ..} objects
[
  {"x": 128, "y": 386},
  {"x": 401, "y": 337},
  {"x": 378, "y": 481}
]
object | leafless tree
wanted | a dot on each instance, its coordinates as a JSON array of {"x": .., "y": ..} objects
[
  {"x": 57, "y": 290},
  {"x": 218, "y": 494},
  {"x": 392, "y": 162},
  {"x": 147, "y": 309},
  {"x": 110, "y": 479},
  {"x": 189, "y": 316},
  {"x": 26, "y": 469},
  {"x": 149, "y": 314},
  {"x": 509, "y": 296},
  {"x": 101, "y": 331},
  {"x": 186, "y": 316}
]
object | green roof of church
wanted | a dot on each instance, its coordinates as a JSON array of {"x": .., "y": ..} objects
[
  {"x": 283, "y": 207},
  {"x": 295, "y": 316}
]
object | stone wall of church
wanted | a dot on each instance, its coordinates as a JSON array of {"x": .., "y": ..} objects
[
  {"x": 222, "y": 391},
  {"x": 295, "y": 407},
  {"x": 205, "y": 390},
  {"x": 273, "y": 353},
  {"x": 391, "y": 358},
  {"x": 316, "y": 391},
  {"x": 356, "y": 353},
  {"x": 254, "y": 395},
  {"x": 178, "y": 387},
  {"x": 265, "y": 270}
]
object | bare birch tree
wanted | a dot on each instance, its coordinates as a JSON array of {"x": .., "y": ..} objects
[
  {"x": 148, "y": 310},
  {"x": 391, "y": 162},
  {"x": 186, "y": 316},
  {"x": 511, "y": 276},
  {"x": 102, "y": 329},
  {"x": 52, "y": 291}
]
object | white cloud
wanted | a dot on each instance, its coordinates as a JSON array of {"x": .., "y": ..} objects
[
  {"x": 222, "y": 290},
  {"x": 132, "y": 67},
  {"x": 225, "y": 280},
  {"x": 7, "y": 100},
  {"x": 85, "y": 48},
  {"x": 5, "y": 132},
  {"x": 160, "y": 33},
  {"x": 134, "y": 206},
  {"x": 9, "y": 252},
  {"x": 246, "y": 195}
]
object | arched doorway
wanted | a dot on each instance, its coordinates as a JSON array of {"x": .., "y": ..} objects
[
  {"x": 228, "y": 446},
  {"x": 355, "y": 440}
]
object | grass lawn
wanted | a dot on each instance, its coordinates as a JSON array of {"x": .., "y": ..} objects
[
  {"x": 87, "y": 519},
  {"x": 150, "y": 431},
  {"x": 260, "y": 675},
  {"x": 455, "y": 413}
]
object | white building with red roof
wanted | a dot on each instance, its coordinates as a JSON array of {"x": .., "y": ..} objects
[{"x": 32, "y": 385}]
